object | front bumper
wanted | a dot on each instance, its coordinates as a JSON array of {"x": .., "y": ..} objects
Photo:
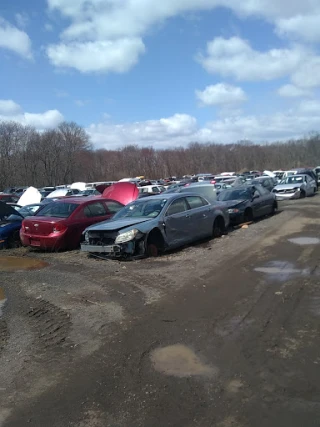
[
  {"x": 111, "y": 250},
  {"x": 287, "y": 196}
]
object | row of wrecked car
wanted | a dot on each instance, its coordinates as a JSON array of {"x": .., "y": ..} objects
[{"x": 120, "y": 223}]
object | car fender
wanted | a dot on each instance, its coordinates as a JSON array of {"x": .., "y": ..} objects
[{"x": 221, "y": 211}]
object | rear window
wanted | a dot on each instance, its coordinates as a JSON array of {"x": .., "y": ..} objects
[{"x": 58, "y": 210}]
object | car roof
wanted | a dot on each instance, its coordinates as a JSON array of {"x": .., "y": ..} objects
[{"x": 243, "y": 187}]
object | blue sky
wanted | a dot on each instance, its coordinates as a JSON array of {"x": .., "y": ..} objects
[{"x": 163, "y": 73}]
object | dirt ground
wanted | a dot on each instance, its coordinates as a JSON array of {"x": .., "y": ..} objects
[{"x": 222, "y": 333}]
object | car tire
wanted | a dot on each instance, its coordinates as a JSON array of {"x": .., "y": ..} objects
[
  {"x": 154, "y": 244},
  {"x": 152, "y": 250},
  {"x": 219, "y": 227},
  {"x": 274, "y": 208},
  {"x": 302, "y": 194},
  {"x": 248, "y": 215},
  {"x": 14, "y": 241}
]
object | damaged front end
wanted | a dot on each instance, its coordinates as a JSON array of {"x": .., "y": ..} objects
[{"x": 114, "y": 244}]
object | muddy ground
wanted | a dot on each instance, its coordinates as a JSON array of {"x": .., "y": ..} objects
[{"x": 223, "y": 333}]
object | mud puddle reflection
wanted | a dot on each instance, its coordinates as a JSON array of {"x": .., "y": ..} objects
[
  {"x": 304, "y": 241},
  {"x": 12, "y": 264},
  {"x": 2, "y": 300},
  {"x": 180, "y": 361},
  {"x": 282, "y": 270}
]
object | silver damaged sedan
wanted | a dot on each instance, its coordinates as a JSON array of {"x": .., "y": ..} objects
[
  {"x": 154, "y": 224},
  {"x": 295, "y": 187}
]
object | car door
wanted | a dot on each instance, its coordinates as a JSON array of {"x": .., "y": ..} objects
[
  {"x": 200, "y": 217},
  {"x": 89, "y": 214},
  {"x": 177, "y": 224},
  {"x": 258, "y": 201},
  {"x": 267, "y": 201},
  {"x": 311, "y": 184}
]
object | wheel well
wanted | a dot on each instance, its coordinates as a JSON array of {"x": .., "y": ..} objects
[
  {"x": 156, "y": 238},
  {"x": 220, "y": 221}
]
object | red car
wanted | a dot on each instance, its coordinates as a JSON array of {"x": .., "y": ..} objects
[
  {"x": 11, "y": 198},
  {"x": 59, "y": 225}
]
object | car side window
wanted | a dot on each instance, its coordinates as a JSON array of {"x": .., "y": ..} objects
[
  {"x": 113, "y": 207},
  {"x": 262, "y": 190},
  {"x": 196, "y": 202},
  {"x": 155, "y": 190},
  {"x": 177, "y": 206},
  {"x": 95, "y": 209}
]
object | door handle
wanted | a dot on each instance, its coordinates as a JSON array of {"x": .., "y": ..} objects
[{"x": 187, "y": 216}]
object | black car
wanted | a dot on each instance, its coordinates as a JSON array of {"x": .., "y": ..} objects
[
  {"x": 248, "y": 202},
  {"x": 266, "y": 182}
]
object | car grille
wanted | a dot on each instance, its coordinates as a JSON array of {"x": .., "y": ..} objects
[
  {"x": 286, "y": 191},
  {"x": 102, "y": 238}
]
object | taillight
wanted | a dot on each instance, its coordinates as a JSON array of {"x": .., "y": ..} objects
[
  {"x": 212, "y": 182},
  {"x": 59, "y": 228}
]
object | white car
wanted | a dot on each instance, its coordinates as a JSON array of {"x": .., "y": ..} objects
[
  {"x": 152, "y": 189},
  {"x": 295, "y": 187}
]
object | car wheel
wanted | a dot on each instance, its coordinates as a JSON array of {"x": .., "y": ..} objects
[
  {"x": 152, "y": 250},
  {"x": 218, "y": 227},
  {"x": 155, "y": 244},
  {"x": 248, "y": 215},
  {"x": 302, "y": 194},
  {"x": 274, "y": 208},
  {"x": 14, "y": 241}
]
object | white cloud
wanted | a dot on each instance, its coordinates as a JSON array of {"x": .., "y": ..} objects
[
  {"x": 172, "y": 130},
  {"x": 48, "y": 27},
  {"x": 103, "y": 21},
  {"x": 292, "y": 91},
  {"x": 305, "y": 27},
  {"x": 114, "y": 18},
  {"x": 182, "y": 129},
  {"x": 22, "y": 19},
  {"x": 235, "y": 57},
  {"x": 15, "y": 40},
  {"x": 9, "y": 107},
  {"x": 221, "y": 94},
  {"x": 81, "y": 102},
  {"x": 307, "y": 75},
  {"x": 100, "y": 56},
  {"x": 10, "y": 110}
]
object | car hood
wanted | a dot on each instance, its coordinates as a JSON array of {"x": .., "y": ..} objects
[
  {"x": 29, "y": 197},
  {"x": 286, "y": 186},
  {"x": 6, "y": 210},
  {"x": 117, "y": 224},
  {"x": 234, "y": 203},
  {"x": 122, "y": 192}
]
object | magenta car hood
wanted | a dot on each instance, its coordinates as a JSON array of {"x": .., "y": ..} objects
[{"x": 122, "y": 192}]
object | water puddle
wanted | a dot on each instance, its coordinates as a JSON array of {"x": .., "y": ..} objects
[
  {"x": 12, "y": 263},
  {"x": 281, "y": 270},
  {"x": 180, "y": 361},
  {"x": 303, "y": 241},
  {"x": 2, "y": 300}
]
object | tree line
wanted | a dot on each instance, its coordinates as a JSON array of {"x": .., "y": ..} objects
[{"x": 64, "y": 155}]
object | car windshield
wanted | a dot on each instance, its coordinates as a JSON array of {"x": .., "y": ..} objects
[
  {"x": 28, "y": 210},
  {"x": 242, "y": 194},
  {"x": 293, "y": 180},
  {"x": 58, "y": 210},
  {"x": 142, "y": 209}
]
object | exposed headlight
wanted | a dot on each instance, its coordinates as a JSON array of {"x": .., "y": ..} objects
[
  {"x": 233, "y": 211},
  {"x": 86, "y": 236},
  {"x": 127, "y": 236}
]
